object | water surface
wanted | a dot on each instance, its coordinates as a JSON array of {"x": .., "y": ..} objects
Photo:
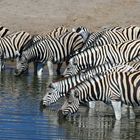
[{"x": 22, "y": 118}]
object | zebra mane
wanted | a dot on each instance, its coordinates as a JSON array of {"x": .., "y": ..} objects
[
  {"x": 27, "y": 45},
  {"x": 98, "y": 35}
]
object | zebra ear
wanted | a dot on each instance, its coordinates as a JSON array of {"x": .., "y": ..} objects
[
  {"x": 84, "y": 34},
  {"x": 77, "y": 30}
]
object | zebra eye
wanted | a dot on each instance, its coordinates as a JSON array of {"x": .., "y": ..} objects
[
  {"x": 69, "y": 102},
  {"x": 74, "y": 63},
  {"x": 76, "y": 95},
  {"x": 49, "y": 93},
  {"x": 68, "y": 68}
]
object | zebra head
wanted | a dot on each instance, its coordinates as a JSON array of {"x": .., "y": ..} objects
[
  {"x": 84, "y": 32},
  {"x": 52, "y": 95},
  {"x": 79, "y": 29},
  {"x": 22, "y": 65},
  {"x": 71, "y": 68},
  {"x": 70, "y": 105}
]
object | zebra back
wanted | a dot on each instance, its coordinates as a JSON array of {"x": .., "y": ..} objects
[
  {"x": 55, "y": 33},
  {"x": 21, "y": 40},
  {"x": 4, "y": 31}
]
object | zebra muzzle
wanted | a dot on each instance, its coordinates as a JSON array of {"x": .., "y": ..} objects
[
  {"x": 18, "y": 73},
  {"x": 61, "y": 114},
  {"x": 42, "y": 105}
]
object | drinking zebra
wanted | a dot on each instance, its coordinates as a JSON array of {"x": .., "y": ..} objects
[
  {"x": 12, "y": 45},
  {"x": 58, "y": 89},
  {"x": 111, "y": 53},
  {"x": 55, "y": 33},
  {"x": 112, "y": 87},
  {"x": 51, "y": 51}
]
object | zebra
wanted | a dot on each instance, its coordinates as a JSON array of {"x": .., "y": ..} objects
[
  {"x": 114, "y": 35},
  {"x": 51, "y": 51},
  {"x": 57, "y": 89},
  {"x": 111, "y": 88},
  {"x": 55, "y": 33},
  {"x": 111, "y": 53},
  {"x": 4, "y": 31},
  {"x": 12, "y": 45}
]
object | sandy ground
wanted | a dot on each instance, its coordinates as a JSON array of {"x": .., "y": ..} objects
[{"x": 41, "y": 16}]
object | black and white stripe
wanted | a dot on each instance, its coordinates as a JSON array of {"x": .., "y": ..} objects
[
  {"x": 59, "y": 88},
  {"x": 55, "y": 33},
  {"x": 113, "y": 87},
  {"x": 4, "y": 31},
  {"x": 12, "y": 45},
  {"x": 114, "y": 35},
  {"x": 51, "y": 51},
  {"x": 111, "y": 53}
]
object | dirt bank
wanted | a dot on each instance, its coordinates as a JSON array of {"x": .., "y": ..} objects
[{"x": 42, "y": 16}]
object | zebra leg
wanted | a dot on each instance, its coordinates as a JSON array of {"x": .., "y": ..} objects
[
  {"x": 91, "y": 104},
  {"x": 58, "y": 68},
  {"x": 40, "y": 67},
  {"x": 3, "y": 66},
  {"x": 124, "y": 109},
  {"x": 50, "y": 67},
  {"x": 131, "y": 113},
  {"x": 117, "y": 109},
  {"x": 1, "y": 63},
  {"x": 35, "y": 68}
]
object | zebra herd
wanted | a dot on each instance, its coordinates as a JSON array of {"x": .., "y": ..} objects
[
  {"x": 100, "y": 66},
  {"x": 105, "y": 70}
]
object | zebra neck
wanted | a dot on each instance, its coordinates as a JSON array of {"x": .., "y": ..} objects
[{"x": 66, "y": 84}]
